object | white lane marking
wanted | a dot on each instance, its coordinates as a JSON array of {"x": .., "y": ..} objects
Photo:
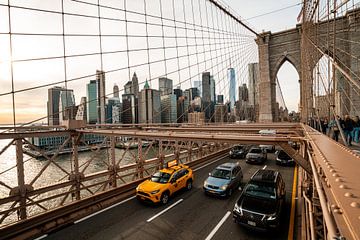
[
  {"x": 163, "y": 211},
  {"x": 209, "y": 163},
  {"x": 264, "y": 167},
  {"x": 105, "y": 209},
  {"x": 218, "y": 226},
  {"x": 41, "y": 237}
]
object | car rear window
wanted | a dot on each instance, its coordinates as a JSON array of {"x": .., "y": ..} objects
[{"x": 255, "y": 150}]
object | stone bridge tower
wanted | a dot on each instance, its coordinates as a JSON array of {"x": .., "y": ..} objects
[{"x": 303, "y": 47}]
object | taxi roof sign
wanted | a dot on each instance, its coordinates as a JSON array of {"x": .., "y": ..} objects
[{"x": 172, "y": 163}]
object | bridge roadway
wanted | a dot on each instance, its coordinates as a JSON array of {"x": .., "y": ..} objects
[{"x": 195, "y": 216}]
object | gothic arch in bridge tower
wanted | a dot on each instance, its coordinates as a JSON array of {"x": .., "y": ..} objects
[{"x": 274, "y": 50}]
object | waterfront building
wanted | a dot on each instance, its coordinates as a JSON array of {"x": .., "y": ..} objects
[
  {"x": 149, "y": 105},
  {"x": 92, "y": 102},
  {"x": 81, "y": 113},
  {"x": 67, "y": 108},
  {"x": 53, "y": 105},
  {"x": 232, "y": 88}
]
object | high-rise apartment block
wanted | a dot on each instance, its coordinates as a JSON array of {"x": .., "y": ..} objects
[{"x": 149, "y": 105}]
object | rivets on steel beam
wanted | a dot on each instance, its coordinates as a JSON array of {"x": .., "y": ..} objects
[
  {"x": 332, "y": 170},
  {"x": 338, "y": 211},
  {"x": 355, "y": 204},
  {"x": 342, "y": 186},
  {"x": 338, "y": 180},
  {"x": 348, "y": 194},
  {"x": 335, "y": 175}
]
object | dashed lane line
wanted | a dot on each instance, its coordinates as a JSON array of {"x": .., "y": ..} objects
[{"x": 217, "y": 227}]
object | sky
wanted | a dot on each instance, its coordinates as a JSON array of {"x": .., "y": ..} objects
[
  {"x": 279, "y": 21},
  {"x": 217, "y": 50}
]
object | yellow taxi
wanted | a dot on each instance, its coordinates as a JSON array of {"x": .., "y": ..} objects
[{"x": 165, "y": 183}]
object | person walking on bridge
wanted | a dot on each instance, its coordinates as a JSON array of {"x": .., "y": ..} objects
[
  {"x": 348, "y": 128},
  {"x": 355, "y": 132},
  {"x": 334, "y": 127}
]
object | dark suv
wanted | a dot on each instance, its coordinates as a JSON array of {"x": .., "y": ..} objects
[
  {"x": 238, "y": 151},
  {"x": 261, "y": 202}
]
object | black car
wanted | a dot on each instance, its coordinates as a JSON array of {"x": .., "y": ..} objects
[
  {"x": 282, "y": 158},
  {"x": 261, "y": 202},
  {"x": 238, "y": 151}
]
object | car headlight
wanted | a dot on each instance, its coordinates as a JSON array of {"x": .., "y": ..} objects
[
  {"x": 155, "y": 191},
  {"x": 271, "y": 217},
  {"x": 238, "y": 209},
  {"x": 205, "y": 183},
  {"x": 224, "y": 187}
]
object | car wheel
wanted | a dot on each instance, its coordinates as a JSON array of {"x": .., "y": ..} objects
[
  {"x": 189, "y": 185},
  {"x": 230, "y": 192},
  {"x": 164, "y": 198}
]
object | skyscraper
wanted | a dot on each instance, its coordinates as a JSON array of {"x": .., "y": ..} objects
[
  {"x": 198, "y": 85},
  {"x": 220, "y": 99},
  {"x": 149, "y": 105},
  {"x": 112, "y": 102},
  {"x": 207, "y": 104},
  {"x": 168, "y": 108},
  {"x": 253, "y": 83},
  {"x": 82, "y": 112},
  {"x": 116, "y": 91},
  {"x": 232, "y": 89},
  {"x": 92, "y": 104},
  {"x": 67, "y": 108},
  {"x": 53, "y": 105},
  {"x": 212, "y": 89},
  {"x": 135, "y": 85},
  {"x": 129, "y": 113},
  {"x": 165, "y": 86},
  {"x": 100, "y": 79}
]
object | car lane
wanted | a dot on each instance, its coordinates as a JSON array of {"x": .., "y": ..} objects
[{"x": 194, "y": 217}]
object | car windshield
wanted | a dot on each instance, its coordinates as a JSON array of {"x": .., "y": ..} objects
[
  {"x": 160, "y": 177},
  {"x": 221, "y": 173},
  {"x": 283, "y": 155},
  {"x": 238, "y": 148},
  {"x": 255, "y": 150},
  {"x": 260, "y": 191}
]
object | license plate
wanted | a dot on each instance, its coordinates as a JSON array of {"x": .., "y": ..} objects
[{"x": 251, "y": 223}]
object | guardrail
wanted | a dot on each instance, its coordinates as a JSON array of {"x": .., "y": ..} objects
[{"x": 61, "y": 216}]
